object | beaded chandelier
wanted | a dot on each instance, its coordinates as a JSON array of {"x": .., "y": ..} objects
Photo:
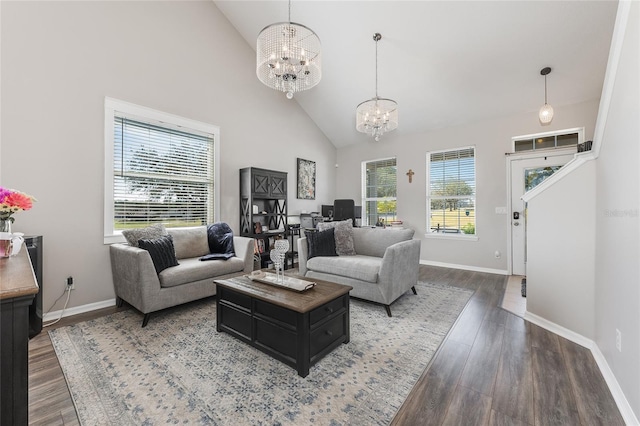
[
  {"x": 289, "y": 57},
  {"x": 377, "y": 115}
]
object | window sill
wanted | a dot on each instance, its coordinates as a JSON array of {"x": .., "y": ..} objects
[
  {"x": 460, "y": 237},
  {"x": 115, "y": 238}
]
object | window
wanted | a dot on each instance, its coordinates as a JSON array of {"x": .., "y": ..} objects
[
  {"x": 379, "y": 191},
  {"x": 159, "y": 168},
  {"x": 451, "y": 192},
  {"x": 550, "y": 140}
]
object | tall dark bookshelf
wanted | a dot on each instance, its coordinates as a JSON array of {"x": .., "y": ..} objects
[{"x": 267, "y": 190}]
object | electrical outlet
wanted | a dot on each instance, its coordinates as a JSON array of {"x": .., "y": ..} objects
[
  {"x": 70, "y": 284},
  {"x": 618, "y": 340}
]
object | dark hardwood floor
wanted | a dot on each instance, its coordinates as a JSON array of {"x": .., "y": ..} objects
[{"x": 494, "y": 368}]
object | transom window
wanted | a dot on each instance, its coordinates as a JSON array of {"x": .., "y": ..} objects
[
  {"x": 161, "y": 169},
  {"x": 550, "y": 140},
  {"x": 379, "y": 204},
  {"x": 451, "y": 192}
]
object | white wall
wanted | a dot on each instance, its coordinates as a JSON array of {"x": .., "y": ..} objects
[
  {"x": 492, "y": 140},
  {"x": 560, "y": 252},
  {"x": 59, "y": 61},
  {"x": 617, "y": 274}
]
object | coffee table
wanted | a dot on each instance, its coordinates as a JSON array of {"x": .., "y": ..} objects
[{"x": 296, "y": 328}]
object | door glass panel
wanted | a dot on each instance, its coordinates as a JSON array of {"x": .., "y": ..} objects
[{"x": 534, "y": 177}]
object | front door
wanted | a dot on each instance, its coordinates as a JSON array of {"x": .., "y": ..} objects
[{"x": 526, "y": 174}]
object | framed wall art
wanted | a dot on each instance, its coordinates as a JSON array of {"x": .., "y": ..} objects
[{"x": 306, "y": 179}]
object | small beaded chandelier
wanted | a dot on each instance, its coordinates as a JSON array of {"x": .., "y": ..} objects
[
  {"x": 288, "y": 57},
  {"x": 377, "y": 115}
]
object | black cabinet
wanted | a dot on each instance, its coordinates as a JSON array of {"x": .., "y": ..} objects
[
  {"x": 17, "y": 289},
  {"x": 263, "y": 200},
  {"x": 34, "y": 247},
  {"x": 263, "y": 205},
  {"x": 298, "y": 339},
  {"x": 267, "y": 183}
]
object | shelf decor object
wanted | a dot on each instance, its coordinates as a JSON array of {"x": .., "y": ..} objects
[
  {"x": 377, "y": 115},
  {"x": 546, "y": 111},
  {"x": 306, "y": 179},
  {"x": 289, "y": 57},
  {"x": 278, "y": 255}
]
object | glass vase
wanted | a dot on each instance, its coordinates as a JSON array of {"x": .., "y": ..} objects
[{"x": 5, "y": 237}]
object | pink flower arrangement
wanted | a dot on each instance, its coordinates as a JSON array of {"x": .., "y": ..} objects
[{"x": 12, "y": 201}]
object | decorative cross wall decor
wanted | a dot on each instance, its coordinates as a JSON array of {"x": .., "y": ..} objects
[{"x": 410, "y": 173}]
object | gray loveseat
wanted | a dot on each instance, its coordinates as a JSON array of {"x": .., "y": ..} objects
[
  {"x": 135, "y": 279},
  {"x": 384, "y": 267}
]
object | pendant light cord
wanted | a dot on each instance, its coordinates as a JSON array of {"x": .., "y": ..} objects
[
  {"x": 289, "y": 12},
  {"x": 376, "y": 39},
  {"x": 545, "y": 89}
]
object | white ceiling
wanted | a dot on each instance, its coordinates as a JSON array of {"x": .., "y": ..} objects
[{"x": 446, "y": 63}]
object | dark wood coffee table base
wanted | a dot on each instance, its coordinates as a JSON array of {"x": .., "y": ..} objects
[{"x": 297, "y": 329}]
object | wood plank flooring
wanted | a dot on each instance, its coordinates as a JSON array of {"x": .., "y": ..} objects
[{"x": 494, "y": 368}]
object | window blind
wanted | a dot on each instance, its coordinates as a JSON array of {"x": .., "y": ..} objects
[
  {"x": 379, "y": 181},
  {"x": 161, "y": 175},
  {"x": 381, "y": 178},
  {"x": 452, "y": 191}
]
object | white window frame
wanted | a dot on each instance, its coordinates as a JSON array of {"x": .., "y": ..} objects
[
  {"x": 447, "y": 236},
  {"x": 363, "y": 182},
  {"x": 578, "y": 130},
  {"x": 115, "y": 107}
]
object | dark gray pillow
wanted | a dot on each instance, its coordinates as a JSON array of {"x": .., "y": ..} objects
[
  {"x": 149, "y": 233},
  {"x": 161, "y": 251},
  {"x": 343, "y": 236},
  {"x": 220, "y": 239},
  {"x": 321, "y": 243}
]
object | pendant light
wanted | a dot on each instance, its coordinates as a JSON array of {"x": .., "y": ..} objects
[
  {"x": 546, "y": 111},
  {"x": 377, "y": 115},
  {"x": 289, "y": 57}
]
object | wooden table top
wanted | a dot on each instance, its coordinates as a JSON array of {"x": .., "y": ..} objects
[
  {"x": 16, "y": 276},
  {"x": 305, "y": 301}
]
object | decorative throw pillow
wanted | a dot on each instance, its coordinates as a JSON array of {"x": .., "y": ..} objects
[
  {"x": 161, "y": 251},
  {"x": 221, "y": 249},
  {"x": 220, "y": 239},
  {"x": 149, "y": 233},
  {"x": 343, "y": 236},
  {"x": 321, "y": 243}
]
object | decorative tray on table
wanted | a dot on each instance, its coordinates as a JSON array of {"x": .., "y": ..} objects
[{"x": 290, "y": 283}]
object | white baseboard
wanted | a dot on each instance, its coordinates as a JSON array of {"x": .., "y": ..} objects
[
  {"x": 614, "y": 387},
  {"x": 78, "y": 310},
  {"x": 559, "y": 330},
  {"x": 464, "y": 267},
  {"x": 623, "y": 405}
]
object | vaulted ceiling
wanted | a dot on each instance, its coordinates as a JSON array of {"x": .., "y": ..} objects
[{"x": 446, "y": 63}]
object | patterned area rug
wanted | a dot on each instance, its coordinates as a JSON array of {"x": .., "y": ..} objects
[{"x": 178, "y": 369}]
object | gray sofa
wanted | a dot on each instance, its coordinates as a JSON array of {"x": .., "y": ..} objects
[
  {"x": 135, "y": 279},
  {"x": 385, "y": 265}
]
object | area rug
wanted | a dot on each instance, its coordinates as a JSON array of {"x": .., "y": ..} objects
[{"x": 178, "y": 369}]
